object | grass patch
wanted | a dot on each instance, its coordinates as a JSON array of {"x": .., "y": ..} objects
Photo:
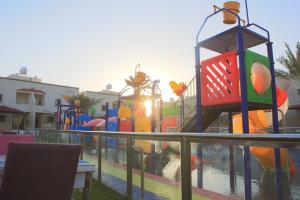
[{"x": 99, "y": 191}]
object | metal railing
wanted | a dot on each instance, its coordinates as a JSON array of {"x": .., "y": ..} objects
[
  {"x": 187, "y": 104},
  {"x": 185, "y": 140}
]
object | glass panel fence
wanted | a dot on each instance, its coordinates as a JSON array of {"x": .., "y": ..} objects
[
  {"x": 156, "y": 170},
  {"x": 114, "y": 163},
  {"x": 190, "y": 166},
  {"x": 218, "y": 171}
]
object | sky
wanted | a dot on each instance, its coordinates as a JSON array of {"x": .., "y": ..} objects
[{"x": 89, "y": 44}]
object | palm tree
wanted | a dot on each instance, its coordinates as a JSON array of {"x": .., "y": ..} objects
[
  {"x": 85, "y": 102},
  {"x": 291, "y": 62},
  {"x": 139, "y": 87},
  {"x": 140, "y": 83}
]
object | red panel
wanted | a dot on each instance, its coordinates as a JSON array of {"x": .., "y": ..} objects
[
  {"x": 125, "y": 125},
  {"x": 169, "y": 122},
  {"x": 220, "y": 80}
]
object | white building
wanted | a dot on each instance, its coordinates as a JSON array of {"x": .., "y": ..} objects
[
  {"x": 104, "y": 96},
  {"x": 27, "y": 102},
  {"x": 292, "y": 87}
]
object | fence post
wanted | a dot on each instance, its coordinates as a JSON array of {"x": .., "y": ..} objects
[
  {"x": 69, "y": 138},
  {"x": 99, "y": 158},
  {"x": 129, "y": 167},
  {"x": 82, "y": 144},
  {"x": 186, "y": 184},
  {"x": 247, "y": 173}
]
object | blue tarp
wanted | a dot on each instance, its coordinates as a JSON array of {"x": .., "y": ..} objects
[
  {"x": 112, "y": 126},
  {"x": 83, "y": 117},
  {"x": 112, "y": 113}
]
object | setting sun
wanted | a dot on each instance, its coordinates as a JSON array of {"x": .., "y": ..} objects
[{"x": 148, "y": 108}]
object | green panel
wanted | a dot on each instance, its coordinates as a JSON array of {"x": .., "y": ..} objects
[
  {"x": 170, "y": 110},
  {"x": 250, "y": 58}
]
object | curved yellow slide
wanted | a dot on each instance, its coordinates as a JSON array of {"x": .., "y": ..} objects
[{"x": 260, "y": 120}]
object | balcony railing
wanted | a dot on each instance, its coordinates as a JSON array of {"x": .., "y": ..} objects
[{"x": 188, "y": 166}]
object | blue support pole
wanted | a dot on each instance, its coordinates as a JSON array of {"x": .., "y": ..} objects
[
  {"x": 57, "y": 117},
  {"x": 244, "y": 108},
  {"x": 278, "y": 178},
  {"x": 199, "y": 128},
  {"x": 198, "y": 91},
  {"x": 75, "y": 122},
  {"x": 243, "y": 81},
  {"x": 119, "y": 104},
  {"x": 106, "y": 115},
  {"x": 106, "y": 125},
  {"x": 273, "y": 85},
  {"x": 64, "y": 121}
]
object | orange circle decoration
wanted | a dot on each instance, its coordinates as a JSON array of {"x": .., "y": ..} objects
[{"x": 260, "y": 77}]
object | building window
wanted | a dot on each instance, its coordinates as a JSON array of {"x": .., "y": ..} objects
[
  {"x": 39, "y": 99},
  {"x": 2, "y": 118},
  {"x": 57, "y": 102},
  {"x": 0, "y": 98},
  {"x": 22, "y": 98},
  {"x": 50, "y": 119},
  {"x": 39, "y": 102},
  {"x": 103, "y": 107}
]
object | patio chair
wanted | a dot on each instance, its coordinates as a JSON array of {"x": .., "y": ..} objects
[{"x": 39, "y": 171}]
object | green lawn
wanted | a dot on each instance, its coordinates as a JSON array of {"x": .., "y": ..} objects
[{"x": 99, "y": 191}]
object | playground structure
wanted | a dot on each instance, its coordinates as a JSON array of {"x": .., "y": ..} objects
[
  {"x": 70, "y": 117},
  {"x": 130, "y": 113},
  {"x": 236, "y": 81}
]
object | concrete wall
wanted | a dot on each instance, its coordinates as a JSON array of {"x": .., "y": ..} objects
[
  {"x": 292, "y": 87},
  {"x": 293, "y": 118}
]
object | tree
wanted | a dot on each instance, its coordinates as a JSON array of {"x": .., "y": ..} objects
[
  {"x": 85, "y": 102},
  {"x": 291, "y": 62},
  {"x": 139, "y": 83}
]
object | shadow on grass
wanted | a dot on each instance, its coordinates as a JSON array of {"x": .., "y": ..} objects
[{"x": 99, "y": 191}]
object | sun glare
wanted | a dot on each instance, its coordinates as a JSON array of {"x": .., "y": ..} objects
[{"x": 148, "y": 108}]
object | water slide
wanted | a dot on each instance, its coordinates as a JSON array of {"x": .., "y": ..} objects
[{"x": 259, "y": 121}]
